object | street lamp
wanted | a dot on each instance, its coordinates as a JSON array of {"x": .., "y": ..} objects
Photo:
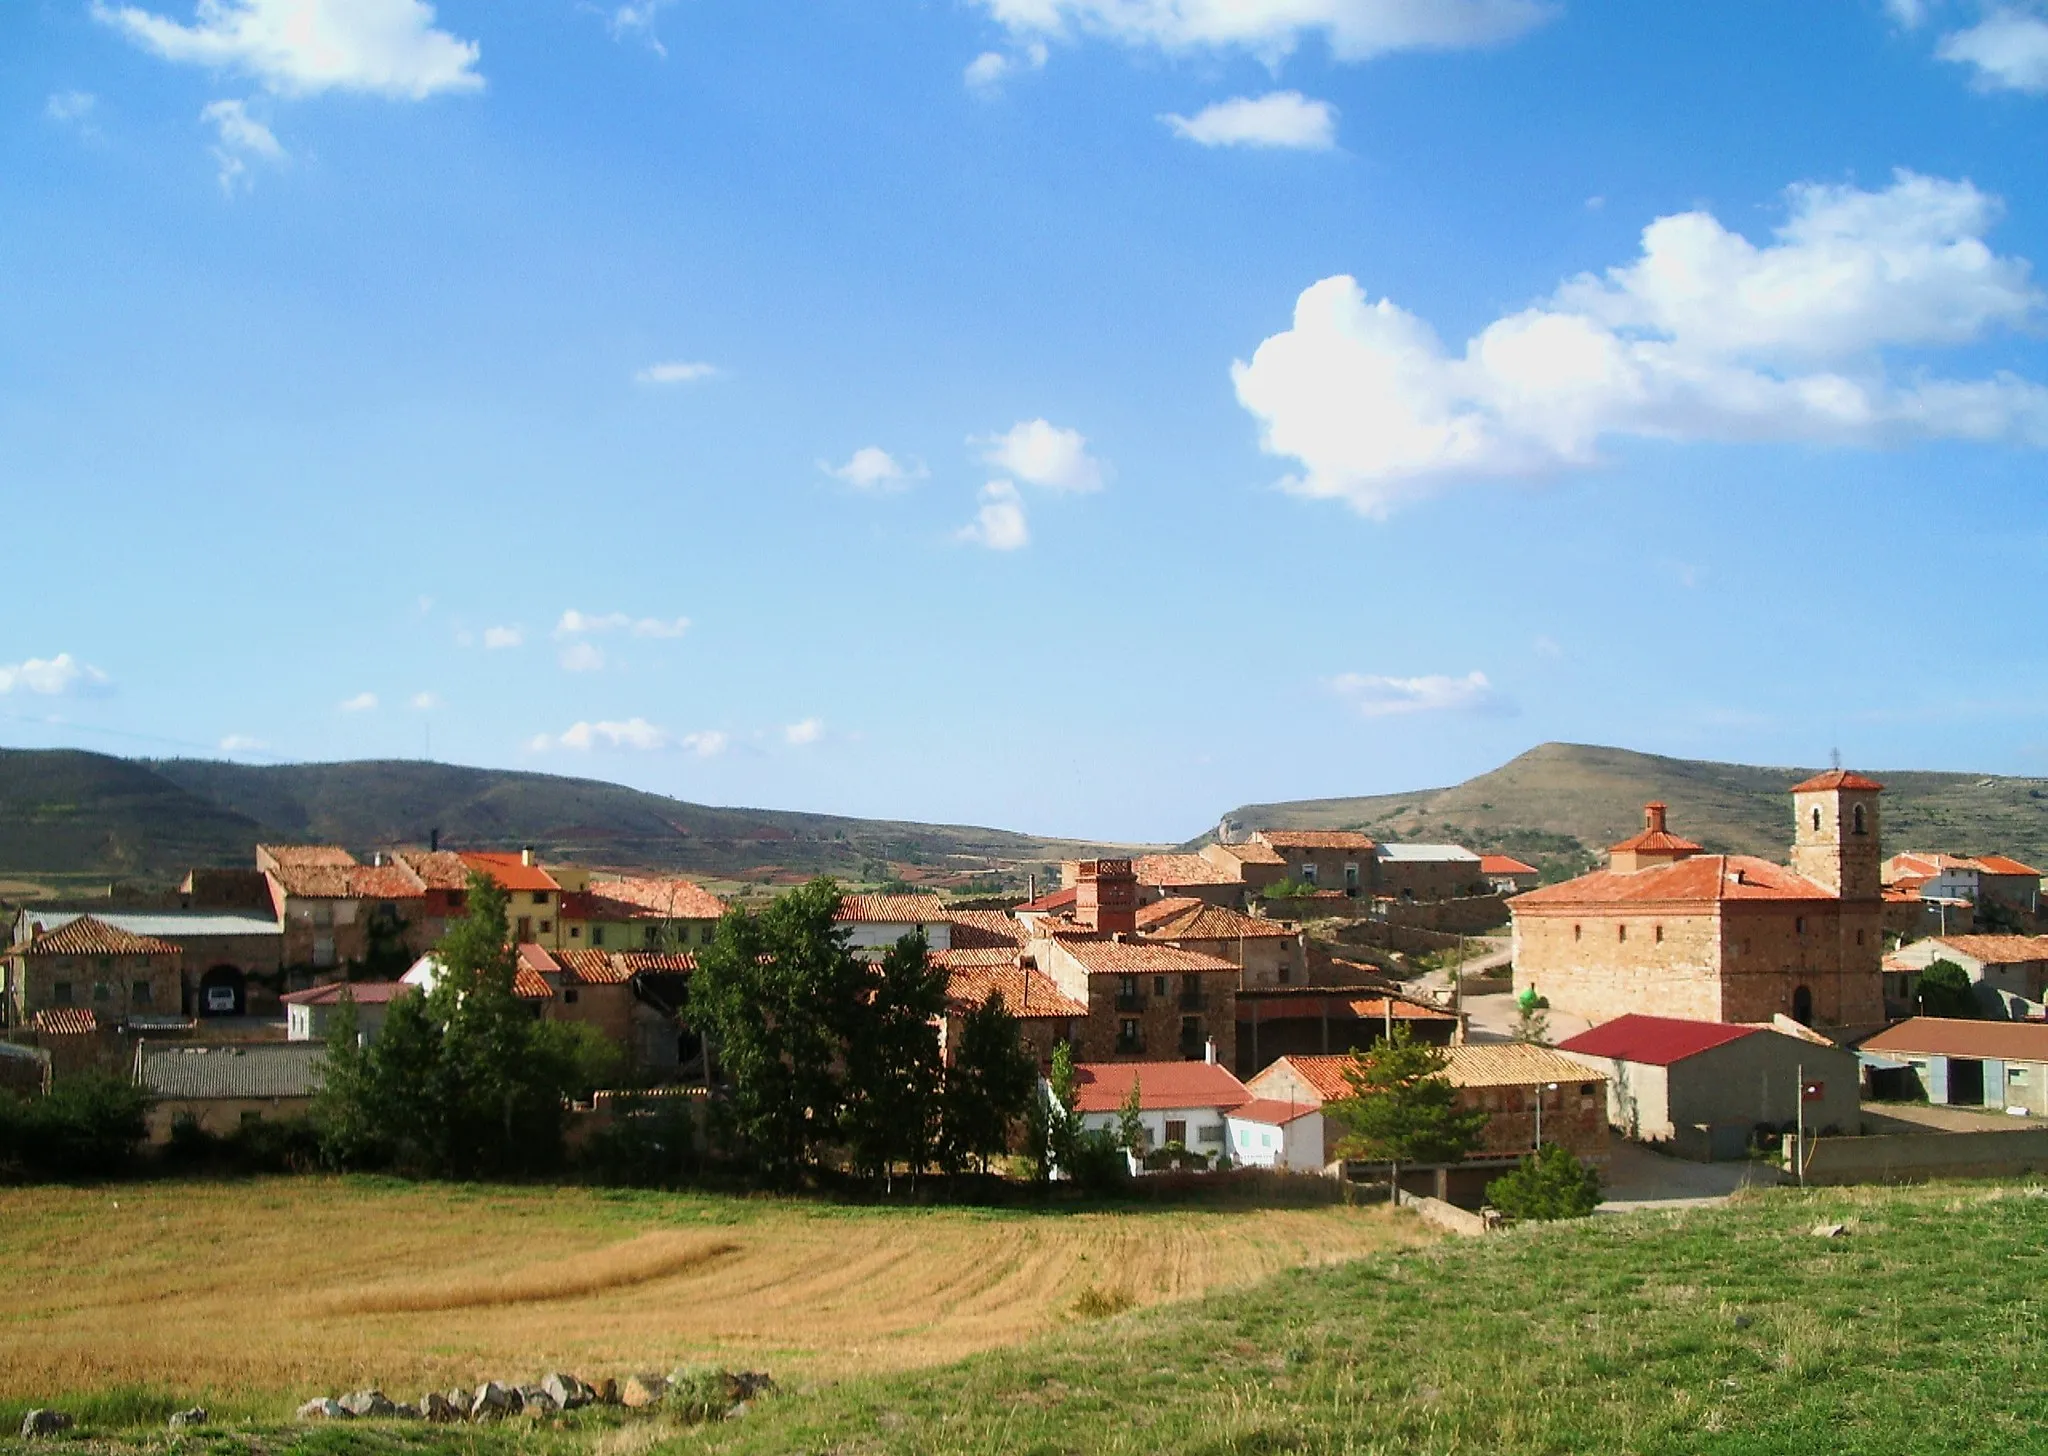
[{"x": 1545, "y": 1087}]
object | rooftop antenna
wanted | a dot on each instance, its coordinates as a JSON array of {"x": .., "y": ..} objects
[{"x": 1834, "y": 758}]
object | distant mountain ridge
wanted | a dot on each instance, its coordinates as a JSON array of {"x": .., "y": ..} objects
[
  {"x": 1561, "y": 804},
  {"x": 65, "y": 812}
]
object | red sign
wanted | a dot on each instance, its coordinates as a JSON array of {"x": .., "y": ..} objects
[{"x": 1813, "y": 1092}]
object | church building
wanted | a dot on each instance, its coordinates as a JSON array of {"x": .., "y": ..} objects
[{"x": 1669, "y": 930}]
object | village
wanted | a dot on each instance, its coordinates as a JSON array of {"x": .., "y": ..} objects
[{"x": 1845, "y": 1016}]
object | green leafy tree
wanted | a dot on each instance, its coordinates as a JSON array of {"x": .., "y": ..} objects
[
  {"x": 386, "y": 956},
  {"x": 88, "y": 1126},
  {"x": 1402, "y": 1108},
  {"x": 777, "y": 993},
  {"x": 990, "y": 1087},
  {"x": 893, "y": 1064},
  {"x": 1062, "y": 1120},
  {"x": 1945, "y": 990},
  {"x": 1532, "y": 1018},
  {"x": 1549, "y": 1183},
  {"x": 1130, "y": 1121}
]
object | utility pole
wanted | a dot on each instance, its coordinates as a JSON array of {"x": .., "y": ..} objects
[{"x": 1799, "y": 1148}]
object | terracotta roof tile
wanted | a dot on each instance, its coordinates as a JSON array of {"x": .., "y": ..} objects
[
  {"x": 1512, "y": 1064},
  {"x": 653, "y": 898},
  {"x": 1179, "y": 869},
  {"x": 537, "y": 958},
  {"x": 984, "y": 929},
  {"x": 636, "y": 961},
  {"x": 1026, "y": 994},
  {"x": 509, "y": 869},
  {"x": 1316, "y": 839},
  {"x": 438, "y": 869},
  {"x": 90, "y": 936},
  {"x": 1325, "y": 1076},
  {"x": 1656, "y": 841},
  {"x": 305, "y": 856},
  {"x": 1186, "y": 918},
  {"x": 529, "y": 985},
  {"x": 1052, "y": 900},
  {"x": 1252, "y": 851},
  {"x": 66, "y": 1021},
  {"x": 363, "y": 993},
  {"x": 959, "y": 958},
  {"x": 393, "y": 881},
  {"x": 1103, "y": 1086},
  {"x": 1998, "y": 950},
  {"x": 1101, "y": 956},
  {"x": 1504, "y": 864},
  {"x": 1701, "y": 879},
  {"x": 2017, "y": 1041},
  {"x": 891, "y": 910},
  {"x": 1835, "y": 778},
  {"x": 1271, "y": 1112},
  {"x": 1998, "y": 864}
]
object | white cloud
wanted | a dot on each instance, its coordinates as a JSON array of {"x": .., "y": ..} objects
[
  {"x": 676, "y": 372},
  {"x": 300, "y": 47},
  {"x": 582, "y": 657},
  {"x": 71, "y": 107},
  {"x": 1547, "y": 646},
  {"x": 707, "y": 744},
  {"x": 1040, "y": 453},
  {"x": 657, "y": 627},
  {"x": 242, "y": 743},
  {"x": 1000, "y": 524},
  {"x": 52, "y": 677},
  {"x": 576, "y": 624},
  {"x": 1386, "y": 697},
  {"x": 497, "y": 639},
  {"x": 240, "y": 137},
  {"x": 2008, "y": 49},
  {"x": 1705, "y": 336},
  {"x": 1269, "y": 29},
  {"x": 808, "y": 731},
  {"x": 1278, "y": 119},
  {"x": 360, "y": 703},
  {"x": 634, "y": 733},
  {"x": 426, "y": 702},
  {"x": 635, "y": 19},
  {"x": 1910, "y": 14},
  {"x": 871, "y": 468},
  {"x": 987, "y": 71}
]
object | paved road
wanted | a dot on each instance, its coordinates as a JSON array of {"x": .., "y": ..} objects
[{"x": 1637, "y": 1178}]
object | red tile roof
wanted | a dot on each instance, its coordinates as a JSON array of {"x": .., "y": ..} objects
[
  {"x": 653, "y": 899},
  {"x": 363, "y": 993},
  {"x": 1271, "y": 1112},
  {"x": 509, "y": 869},
  {"x": 1026, "y": 994},
  {"x": 595, "y": 967},
  {"x": 1835, "y": 778},
  {"x": 438, "y": 869},
  {"x": 1251, "y": 851},
  {"x": 1998, "y": 864},
  {"x": 1179, "y": 869},
  {"x": 2016, "y": 1041},
  {"x": 1504, "y": 864},
  {"x": 393, "y": 881},
  {"x": 1101, "y": 956},
  {"x": 891, "y": 910},
  {"x": 1655, "y": 1041},
  {"x": 1185, "y": 918},
  {"x": 636, "y": 961},
  {"x": 90, "y": 936},
  {"x": 537, "y": 958},
  {"x": 1702, "y": 879},
  {"x": 1324, "y": 1075},
  {"x": 1052, "y": 900},
  {"x": 984, "y": 929},
  {"x": 66, "y": 1021},
  {"x": 529, "y": 985},
  {"x": 1316, "y": 839},
  {"x": 1997, "y": 950},
  {"x": 1655, "y": 841},
  {"x": 1103, "y": 1086},
  {"x": 304, "y": 856}
]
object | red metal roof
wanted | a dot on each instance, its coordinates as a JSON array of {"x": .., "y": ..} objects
[
  {"x": 1504, "y": 864},
  {"x": 1655, "y": 1041},
  {"x": 1272, "y": 1112},
  {"x": 1835, "y": 778},
  {"x": 363, "y": 993},
  {"x": 1103, "y": 1086}
]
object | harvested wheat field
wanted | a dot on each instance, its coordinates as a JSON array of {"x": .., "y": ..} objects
[{"x": 291, "y": 1286}]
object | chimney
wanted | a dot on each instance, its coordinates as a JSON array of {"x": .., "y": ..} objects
[
  {"x": 1653, "y": 817},
  {"x": 1106, "y": 896},
  {"x": 526, "y": 855},
  {"x": 1209, "y": 1051},
  {"x": 434, "y": 839}
]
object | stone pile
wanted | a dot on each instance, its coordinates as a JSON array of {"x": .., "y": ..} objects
[{"x": 730, "y": 1391}]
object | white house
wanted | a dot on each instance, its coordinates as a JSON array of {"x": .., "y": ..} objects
[
  {"x": 1178, "y": 1102},
  {"x": 873, "y": 923},
  {"x": 1265, "y": 1133},
  {"x": 309, "y": 1013}
]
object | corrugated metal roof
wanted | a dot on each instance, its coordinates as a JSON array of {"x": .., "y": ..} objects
[
  {"x": 1654, "y": 1041},
  {"x": 247, "y": 1069},
  {"x": 169, "y": 924},
  {"x": 2016, "y": 1041},
  {"x": 1429, "y": 852}
]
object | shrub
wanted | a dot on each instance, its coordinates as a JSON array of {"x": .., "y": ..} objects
[
  {"x": 1945, "y": 991},
  {"x": 648, "y": 1144},
  {"x": 1549, "y": 1184},
  {"x": 87, "y": 1127}
]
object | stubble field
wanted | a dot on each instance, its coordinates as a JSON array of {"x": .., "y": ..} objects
[{"x": 251, "y": 1294}]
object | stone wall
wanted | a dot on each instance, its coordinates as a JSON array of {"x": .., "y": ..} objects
[
  {"x": 1598, "y": 966},
  {"x": 1910, "y": 1157}
]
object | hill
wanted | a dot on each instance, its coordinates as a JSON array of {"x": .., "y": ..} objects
[
  {"x": 65, "y": 813},
  {"x": 1560, "y": 804}
]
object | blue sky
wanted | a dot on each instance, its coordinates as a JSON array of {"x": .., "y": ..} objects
[{"x": 1075, "y": 415}]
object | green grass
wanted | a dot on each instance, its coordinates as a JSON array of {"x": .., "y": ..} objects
[{"x": 1731, "y": 1330}]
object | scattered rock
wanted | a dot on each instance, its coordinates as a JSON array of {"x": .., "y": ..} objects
[
  {"x": 439, "y": 1409},
  {"x": 41, "y": 1422},
  {"x": 186, "y": 1419},
  {"x": 608, "y": 1391},
  {"x": 536, "y": 1401},
  {"x": 493, "y": 1401},
  {"x": 1743, "y": 1321},
  {"x": 1829, "y": 1230},
  {"x": 404, "y": 1412},
  {"x": 323, "y": 1408},
  {"x": 739, "y": 1410},
  {"x": 372, "y": 1404},
  {"x": 641, "y": 1391},
  {"x": 744, "y": 1385},
  {"x": 566, "y": 1391}
]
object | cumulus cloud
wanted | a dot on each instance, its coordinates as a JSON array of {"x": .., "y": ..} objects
[
  {"x": 2007, "y": 49},
  {"x": 301, "y": 47},
  {"x": 582, "y": 657},
  {"x": 987, "y": 71},
  {"x": 1354, "y": 29},
  {"x": 1278, "y": 119},
  {"x": 52, "y": 677},
  {"x": 707, "y": 744},
  {"x": 634, "y": 733},
  {"x": 1000, "y": 524},
  {"x": 73, "y": 108},
  {"x": 677, "y": 371},
  {"x": 577, "y": 624},
  {"x": 873, "y": 469},
  {"x": 242, "y": 743},
  {"x": 1705, "y": 336},
  {"x": 239, "y": 138},
  {"x": 1386, "y": 697},
  {"x": 1040, "y": 453},
  {"x": 810, "y": 730},
  {"x": 497, "y": 639},
  {"x": 634, "y": 20},
  {"x": 360, "y": 703}
]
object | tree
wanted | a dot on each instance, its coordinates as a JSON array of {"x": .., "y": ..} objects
[
  {"x": 1532, "y": 1018},
  {"x": 1402, "y": 1109},
  {"x": 1945, "y": 990},
  {"x": 1549, "y": 1183},
  {"x": 992, "y": 1084},
  {"x": 893, "y": 1063},
  {"x": 1130, "y": 1121}
]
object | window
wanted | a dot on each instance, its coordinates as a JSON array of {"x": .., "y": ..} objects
[
  {"x": 652, "y": 935},
  {"x": 1799, "y": 925},
  {"x": 546, "y": 926},
  {"x": 1856, "y": 820},
  {"x": 1816, "y": 818},
  {"x": 60, "y": 993},
  {"x": 524, "y": 930},
  {"x": 709, "y": 933},
  {"x": 1308, "y": 872},
  {"x": 575, "y": 932},
  {"x": 1575, "y": 932},
  {"x": 101, "y": 991},
  {"x": 1128, "y": 1036},
  {"x": 141, "y": 996},
  {"x": 1159, "y": 985},
  {"x": 1621, "y": 933},
  {"x": 1351, "y": 878},
  {"x": 540, "y": 897},
  {"x": 1285, "y": 974},
  {"x": 2015, "y": 1076},
  {"x": 1660, "y": 935},
  {"x": 569, "y": 995},
  {"x": 1213, "y": 1133},
  {"x": 1859, "y": 937},
  {"x": 597, "y": 935},
  {"x": 323, "y": 912}
]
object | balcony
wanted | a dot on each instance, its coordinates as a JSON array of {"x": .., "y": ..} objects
[
  {"x": 1134, "y": 1001},
  {"x": 1193, "y": 1000},
  {"x": 1130, "y": 1045}
]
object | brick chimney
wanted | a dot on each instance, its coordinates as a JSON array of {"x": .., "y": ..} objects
[
  {"x": 1106, "y": 896},
  {"x": 1653, "y": 817}
]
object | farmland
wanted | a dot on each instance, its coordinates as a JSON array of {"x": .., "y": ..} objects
[{"x": 245, "y": 1295}]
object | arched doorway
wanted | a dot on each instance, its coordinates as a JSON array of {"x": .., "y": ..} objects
[
  {"x": 1802, "y": 1006},
  {"x": 223, "y": 991}
]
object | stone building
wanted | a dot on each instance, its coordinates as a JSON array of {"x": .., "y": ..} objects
[
  {"x": 331, "y": 910},
  {"x": 1265, "y": 952},
  {"x": 1045, "y": 1015},
  {"x": 89, "y": 965},
  {"x": 1670, "y": 930}
]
